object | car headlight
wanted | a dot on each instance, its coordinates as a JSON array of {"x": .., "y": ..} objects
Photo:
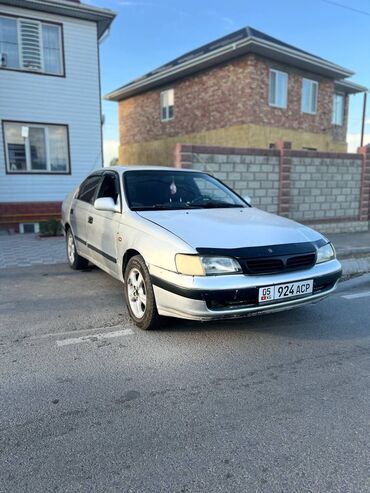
[
  {"x": 194, "y": 265},
  {"x": 325, "y": 253}
]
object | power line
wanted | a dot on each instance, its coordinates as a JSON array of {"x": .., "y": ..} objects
[{"x": 337, "y": 4}]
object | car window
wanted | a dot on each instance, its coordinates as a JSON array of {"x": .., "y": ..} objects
[
  {"x": 207, "y": 189},
  {"x": 157, "y": 189},
  {"x": 109, "y": 187},
  {"x": 88, "y": 189}
]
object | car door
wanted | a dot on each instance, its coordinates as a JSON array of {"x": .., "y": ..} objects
[
  {"x": 81, "y": 212},
  {"x": 103, "y": 232}
]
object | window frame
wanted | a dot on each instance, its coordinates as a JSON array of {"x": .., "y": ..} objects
[
  {"x": 36, "y": 172},
  {"x": 61, "y": 41},
  {"x": 98, "y": 175},
  {"x": 167, "y": 118},
  {"x": 275, "y": 105},
  {"x": 117, "y": 177},
  {"x": 343, "y": 96},
  {"x": 313, "y": 82}
]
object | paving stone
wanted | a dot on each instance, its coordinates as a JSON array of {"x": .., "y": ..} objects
[{"x": 28, "y": 249}]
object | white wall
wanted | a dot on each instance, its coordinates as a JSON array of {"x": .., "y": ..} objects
[{"x": 73, "y": 100}]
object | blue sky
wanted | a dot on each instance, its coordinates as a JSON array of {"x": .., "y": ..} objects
[{"x": 148, "y": 33}]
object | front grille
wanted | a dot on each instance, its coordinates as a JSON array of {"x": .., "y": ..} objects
[
  {"x": 277, "y": 265},
  {"x": 264, "y": 265},
  {"x": 301, "y": 261}
]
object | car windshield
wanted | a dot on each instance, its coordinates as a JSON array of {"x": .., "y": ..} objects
[{"x": 168, "y": 190}]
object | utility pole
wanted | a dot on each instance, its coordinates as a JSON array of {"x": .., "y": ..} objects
[{"x": 363, "y": 119}]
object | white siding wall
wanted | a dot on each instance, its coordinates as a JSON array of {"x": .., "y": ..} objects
[{"x": 73, "y": 100}]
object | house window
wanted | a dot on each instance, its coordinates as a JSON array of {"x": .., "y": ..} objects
[
  {"x": 309, "y": 96},
  {"x": 29, "y": 228},
  {"x": 338, "y": 109},
  {"x": 28, "y": 44},
  {"x": 278, "y": 89},
  {"x": 9, "y": 51},
  {"x": 167, "y": 104},
  {"x": 36, "y": 148}
]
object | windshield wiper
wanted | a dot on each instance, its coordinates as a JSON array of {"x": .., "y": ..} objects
[
  {"x": 186, "y": 205},
  {"x": 163, "y": 207},
  {"x": 220, "y": 205}
]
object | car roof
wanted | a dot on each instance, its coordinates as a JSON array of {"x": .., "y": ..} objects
[{"x": 139, "y": 167}]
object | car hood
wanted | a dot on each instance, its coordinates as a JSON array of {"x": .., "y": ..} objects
[{"x": 230, "y": 228}]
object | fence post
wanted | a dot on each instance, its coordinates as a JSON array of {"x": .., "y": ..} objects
[
  {"x": 284, "y": 177},
  {"x": 183, "y": 156},
  {"x": 364, "y": 212}
]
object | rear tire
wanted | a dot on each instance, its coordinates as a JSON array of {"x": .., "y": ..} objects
[
  {"x": 75, "y": 260},
  {"x": 139, "y": 294}
]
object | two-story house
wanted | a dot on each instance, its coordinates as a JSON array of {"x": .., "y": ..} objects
[
  {"x": 246, "y": 89},
  {"x": 50, "y": 104}
]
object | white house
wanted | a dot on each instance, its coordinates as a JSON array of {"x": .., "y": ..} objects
[{"x": 50, "y": 104}]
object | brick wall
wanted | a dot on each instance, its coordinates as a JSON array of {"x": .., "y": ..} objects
[
  {"x": 230, "y": 95},
  {"x": 330, "y": 191},
  {"x": 13, "y": 213},
  {"x": 325, "y": 187},
  {"x": 252, "y": 172}
]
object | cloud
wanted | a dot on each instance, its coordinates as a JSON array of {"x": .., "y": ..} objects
[
  {"x": 110, "y": 149},
  {"x": 353, "y": 141}
]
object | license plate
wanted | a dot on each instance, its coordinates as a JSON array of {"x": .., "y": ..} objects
[{"x": 284, "y": 291}]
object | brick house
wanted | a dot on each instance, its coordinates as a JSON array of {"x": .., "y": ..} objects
[
  {"x": 245, "y": 89},
  {"x": 50, "y": 100}
]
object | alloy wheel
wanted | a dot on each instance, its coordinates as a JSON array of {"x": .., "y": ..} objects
[
  {"x": 71, "y": 250},
  {"x": 136, "y": 291}
]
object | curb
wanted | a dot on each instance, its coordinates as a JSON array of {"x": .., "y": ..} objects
[{"x": 355, "y": 266}]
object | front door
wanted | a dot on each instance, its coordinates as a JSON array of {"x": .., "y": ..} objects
[
  {"x": 81, "y": 211},
  {"x": 103, "y": 231}
]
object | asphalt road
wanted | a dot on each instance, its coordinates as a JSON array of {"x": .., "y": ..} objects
[{"x": 279, "y": 403}]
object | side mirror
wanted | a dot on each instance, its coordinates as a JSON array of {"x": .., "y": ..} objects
[
  {"x": 247, "y": 199},
  {"x": 106, "y": 204}
]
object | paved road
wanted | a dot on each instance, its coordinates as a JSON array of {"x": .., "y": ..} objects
[{"x": 278, "y": 403}]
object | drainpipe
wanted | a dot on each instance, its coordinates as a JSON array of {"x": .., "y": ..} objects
[{"x": 363, "y": 119}]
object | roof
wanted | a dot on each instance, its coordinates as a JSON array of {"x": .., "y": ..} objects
[
  {"x": 140, "y": 167},
  {"x": 349, "y": 87},
  {"x": 241, "y": 42},
  {"x": 68, "y": 8}
]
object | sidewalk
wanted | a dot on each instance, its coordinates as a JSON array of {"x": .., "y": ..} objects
[
  {"x": 28, "y": 249},
  {"x": 353, "y": 250},
  {"x": 351, "y": 244}
]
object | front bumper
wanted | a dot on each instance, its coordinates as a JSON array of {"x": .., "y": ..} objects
[{"x": 215, "y": 297}]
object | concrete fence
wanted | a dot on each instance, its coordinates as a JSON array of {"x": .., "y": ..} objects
[{"x": 328, "y": 191}]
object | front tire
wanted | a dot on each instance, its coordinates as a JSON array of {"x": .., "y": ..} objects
[
  {"x": 139, "y": 294},
  {"x": 75, "y": 261}
]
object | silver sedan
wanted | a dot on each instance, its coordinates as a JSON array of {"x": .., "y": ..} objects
[{"x": 185, "y": 245}]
